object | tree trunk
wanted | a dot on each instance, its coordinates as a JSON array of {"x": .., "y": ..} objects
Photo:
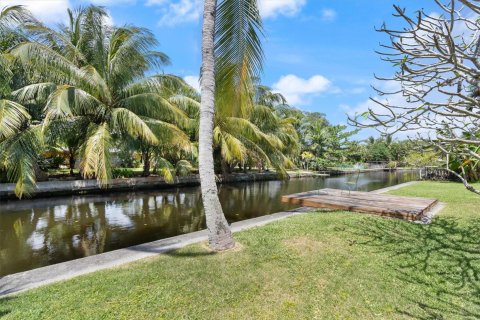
[
  {"x": 225, "y": 168},
  {"x": 219, "y": 233},
  {"x": 146, "y": 163},
  {"x": 71, "y": 160}
]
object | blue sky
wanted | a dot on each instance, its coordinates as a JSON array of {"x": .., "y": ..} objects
[{"x": 319, "y": 53}]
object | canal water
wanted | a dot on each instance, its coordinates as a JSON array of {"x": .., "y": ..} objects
[{"x": 40, "y": 232}]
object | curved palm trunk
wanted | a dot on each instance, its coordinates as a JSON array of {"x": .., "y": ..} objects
[{"x": 219, "y": 233}]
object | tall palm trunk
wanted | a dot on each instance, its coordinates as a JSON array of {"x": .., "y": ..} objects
[{"x": 219, "y": 233}]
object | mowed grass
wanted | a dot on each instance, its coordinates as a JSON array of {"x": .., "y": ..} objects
[{"x": 325, "y": 265}]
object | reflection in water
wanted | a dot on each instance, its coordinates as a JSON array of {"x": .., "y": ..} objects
[{"x": 39, "y": 232}]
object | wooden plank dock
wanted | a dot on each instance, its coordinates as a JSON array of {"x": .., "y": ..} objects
[{"x": 408, "y": 208}]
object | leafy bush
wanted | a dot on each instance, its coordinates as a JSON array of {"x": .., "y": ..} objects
[
  {"x": 122, "y": 173},
  {"x": 183, "y": 168},
  {"x": 323, "y": 164},
  {"x": 51, "y": 163},
  {"x": 422, "y": 159},
  {"x": 392, "y": 164},
  {"x": 127, "y": 157}
]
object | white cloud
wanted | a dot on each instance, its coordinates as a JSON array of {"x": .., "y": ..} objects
[
  {"x": 328, "y": 15},
  {"x": 182, "y": 11},
  {"x": 48, "y": 11},
  {"x": 108, "y": 20},
  {"x": 386, "y": 86},
  {"x": 174, "y": 12},
  {"x": 193, "y": 81},
  {"x": 297, "y": 90},
  {"x": 396, "y": 99},
  {"x": 358, "y": 90},
  {"x": 273, "y": 8}
]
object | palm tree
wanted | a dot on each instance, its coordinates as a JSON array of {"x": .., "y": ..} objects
[
  {"x": 219, "y": 233},
  {"x": 258, "y": 134},
  {"x": 231, "y": 57},
  {"x": 20, "y": 138},
  {"x": 94, "y": 74}
]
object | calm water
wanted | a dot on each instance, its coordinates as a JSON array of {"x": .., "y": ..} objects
[{"x": 40, "y": 232}]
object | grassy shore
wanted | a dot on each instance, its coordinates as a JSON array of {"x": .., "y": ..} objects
[{"x": 334, "y": 265}]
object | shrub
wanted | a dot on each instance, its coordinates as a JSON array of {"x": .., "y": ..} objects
[{"x": 122, "y": 173}]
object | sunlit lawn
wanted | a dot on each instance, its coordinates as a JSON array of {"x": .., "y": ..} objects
[{"x": 321, "y": 265}]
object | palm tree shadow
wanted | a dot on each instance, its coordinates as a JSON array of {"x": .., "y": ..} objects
[
  {"x": 181, "y": 254},
  {"x": 3, "y": 311},
  {"x": 442, "y": 260}
]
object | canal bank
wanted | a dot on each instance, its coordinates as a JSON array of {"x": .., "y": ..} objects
[
  {"x": 18, "y": 282},
  {"x": 76, "y": 187},
  {"x": 45, "y": 231}
]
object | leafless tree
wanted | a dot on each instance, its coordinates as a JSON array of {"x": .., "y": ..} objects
[{"x": 436, "y": 86}]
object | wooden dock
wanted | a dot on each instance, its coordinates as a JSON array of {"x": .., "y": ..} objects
[{"x": 408, "y": 208}]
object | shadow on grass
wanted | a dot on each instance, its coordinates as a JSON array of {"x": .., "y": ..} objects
[
  {"x": 4, "y": 312},
  {"x": 196, "y": 254},
  {"x": 441, "y": 260}
]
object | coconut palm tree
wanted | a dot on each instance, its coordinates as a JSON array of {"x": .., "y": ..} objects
[
  {"x": 219, "y": 233},
  {"x": 93, "y": 73},
  {"x": 20, "y": 137},
  {"x": 231, "y": 57},
  {"x": 258, "y": 134}
]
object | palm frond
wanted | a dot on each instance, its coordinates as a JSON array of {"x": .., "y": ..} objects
[
  {"x": 67, "y": 101},
  {"x": 165, "y": 169},
  {"x": 18, "y": 156},
  {"x": 96, "y": 154},
  {"x": 155, "y": 106},
  {"x": 163, "y": 84},
  {"x": 189, "y": 105},
  {"x": 130, "y": 123},
  {"x": 129, "y": 55},
  {"x": 13, "y": 116},
  {"x": 169, "y": 135},
  {"x": 232, "y": 148},
  {"x": 238, "y": 37},
  {"x": 34, "y": 93},
  {"x": 263, "y": 116},
  {"x": 45, "y": 61},
  {"x": 239, "y": 54},
  {"x": 243, "y": 127},
  {"x": 183, "y": 168},
  {"x": 96, "y": 84},
  {"x": 13, "y": 16}
]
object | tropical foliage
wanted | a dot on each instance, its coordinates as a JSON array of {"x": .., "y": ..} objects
[
  {"x": 88, "y": 91},
  {"x": 93, "y": 98}
]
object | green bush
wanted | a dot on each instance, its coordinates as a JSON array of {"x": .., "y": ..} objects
[
  {"x": 422, "y": 159},
  {"x": 323, "y": 164},
  {"x": 51, "y": 163},
  {"x": 392, "y": 164},
  {"x": 122, "y": 173}
]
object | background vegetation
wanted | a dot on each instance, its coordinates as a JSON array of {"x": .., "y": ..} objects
[{"x": 91, "y": 100}]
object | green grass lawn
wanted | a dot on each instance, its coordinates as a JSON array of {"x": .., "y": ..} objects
[{"x": 333, "y": 265}]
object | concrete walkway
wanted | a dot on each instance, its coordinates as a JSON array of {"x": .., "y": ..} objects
[
  {"x": 66, "y": 270},
  {"x": 398, "y": 186}
]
